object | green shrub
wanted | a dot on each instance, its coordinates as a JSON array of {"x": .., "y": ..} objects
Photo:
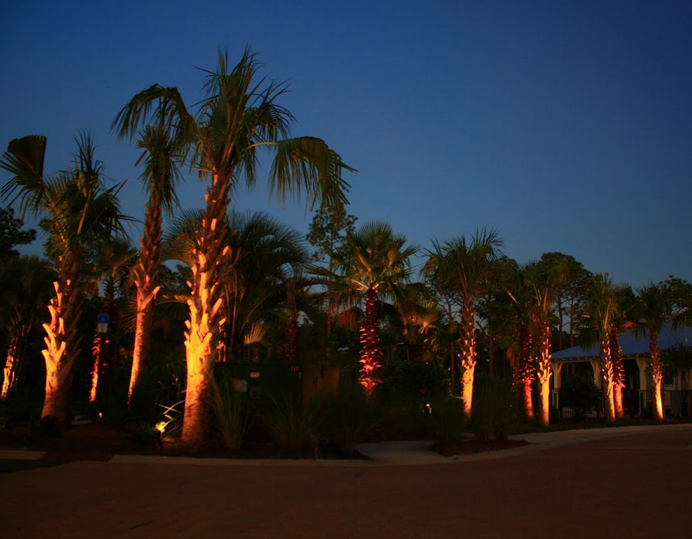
[
  {"x": 231, "y": 413},
  {"x": 422, "y": 380},
  {"x": 351, "y": 418},
  {"x": 292, "y": 426},
  {"x": 446, "y": 416},
  {"x": 492, "y": 412}
]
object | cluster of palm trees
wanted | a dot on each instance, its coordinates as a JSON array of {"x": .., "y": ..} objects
[
  {"x": 221, "y": 140},
  {"x": 247, "y": 274}
]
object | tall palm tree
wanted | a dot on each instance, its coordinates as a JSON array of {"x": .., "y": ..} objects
[
  {"x": 603, "y": 309},
  {"x": 162, "y": 152},
  {"x": 375, "y": 266},
  {"x": 239, "y": 116},
  {"x": 76, "y": 209},
  {"x": 113, "y": 258},
  {"x": 25, "y": 288},
  {"x": 519, "y": 354},
  {"x": 655, "y": 305},
  {"x": 466, "y": 265},
  {"x": 542, "y": 281}
]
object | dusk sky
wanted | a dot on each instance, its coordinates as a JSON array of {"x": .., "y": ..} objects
[{"x": 565, "y": 126}]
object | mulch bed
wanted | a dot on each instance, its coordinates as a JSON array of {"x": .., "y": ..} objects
[{"x": 98, "y": 442}]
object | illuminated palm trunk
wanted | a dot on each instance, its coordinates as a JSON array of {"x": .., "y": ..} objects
[
  {"x": 607, "y": 376},
  {"x": 656, "y": 367},
  {"x": 525, "y": 372},
  {"x": 206, "y": 314},
  {"x": 468, "y": 355},
  {"x": 61, "y": 341},
  {"x": 10, "y": 370},
  {"x": 543, "y": 373},
  {"x": 370, "y": 352},
  {"x": 146, "y": 278},
  {"x": 102, "y": 350},
  {"x": 618, "y": 373},
  {"x": 97, "y": 352}
]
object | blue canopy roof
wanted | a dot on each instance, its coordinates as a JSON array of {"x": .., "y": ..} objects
[{"x": 633, "y": 345}]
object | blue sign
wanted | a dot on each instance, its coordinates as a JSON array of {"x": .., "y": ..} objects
[{"x": 103, "y": 319}]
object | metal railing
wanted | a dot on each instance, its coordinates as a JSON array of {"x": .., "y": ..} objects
[{"x": 636, "y": 403}]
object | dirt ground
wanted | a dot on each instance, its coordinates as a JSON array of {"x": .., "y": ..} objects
[{"x": 635, "y": 486}]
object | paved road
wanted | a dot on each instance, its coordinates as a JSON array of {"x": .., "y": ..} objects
[{"x": 627, "y": 485}]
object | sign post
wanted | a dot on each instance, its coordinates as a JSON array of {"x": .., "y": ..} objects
[{"x": 102, "y": 324}]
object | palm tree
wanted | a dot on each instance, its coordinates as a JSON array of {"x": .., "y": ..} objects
[
  {"x": 161, "y": 157},
  {"x": 25, "y": 287},
  {"x": 519, "y": 354},
  {"x": 603, "y": 308},
  {"x": 376, "y": 265},
  {"x": 256, "y": 278},
  {"x": 239, "y": 116},
  {"x": 76, "y": 210},
  {"x": 114, "y": 256},
  {"x": 542, "y": 282},
  {"x": 466, "y": 265},
  {"x": 655, "y": 305}
]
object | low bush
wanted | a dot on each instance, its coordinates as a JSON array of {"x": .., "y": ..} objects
[
  {"x": 493, "y": 411},
  {"x": 351, "y": 418},
  {"x": 293, "y": 427},
  {"x": 232, "y": 413},
  {"x": 447, "y": 418}
]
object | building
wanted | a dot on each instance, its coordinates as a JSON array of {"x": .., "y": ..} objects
[{"x": 635, "y": 351}]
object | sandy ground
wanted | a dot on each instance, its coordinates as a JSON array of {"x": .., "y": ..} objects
[{"x": 637, "y": 485}]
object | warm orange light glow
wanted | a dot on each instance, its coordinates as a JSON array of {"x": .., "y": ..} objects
[
  {"x": 9, "y": 371},
  {"x": 370, "y": 353}
]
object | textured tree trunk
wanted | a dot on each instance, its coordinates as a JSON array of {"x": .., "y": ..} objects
[
  {"x": 370, "y": 352},
  {"x": 468, "y": 355},
  {"x": 11, "y": 362},
  {"x": 146, "y": 278},
  {"x": 292, "y": 345},
  {"x": 102, "y": 348},
  {"x": 606, "y": 365},
  {"x": 656, "y": 367},
  {"x": 61, "y": 341},
  {"x": 526, "y": 372},
  {"x": 206, "y": 312},
  {"x": 618, "y": 373},
  {"x": 544, "y": 372}
]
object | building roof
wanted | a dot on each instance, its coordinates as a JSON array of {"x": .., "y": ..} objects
[{"x": 631, "y": 344}]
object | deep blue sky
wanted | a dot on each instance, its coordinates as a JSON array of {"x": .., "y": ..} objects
[{"x": 567, "y": 126}]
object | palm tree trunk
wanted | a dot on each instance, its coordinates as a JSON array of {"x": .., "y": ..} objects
[
  {"x": 370, "y": 354},
  {"x": 206, "y": 312},
  {"x": 544, "y": 372},
  {"x": 618, "y": 373},
  {"x": 656, "y": 368},
  {"x": 468, "y": 355},
  {"x": 11, "y": 362},
  {"x": 526, "y": 372},
  {"x": 146, "y": 279},
  {"x": 292, "y": 345},
  {"x": 606, "y": 365},
  {"x": 62, "y": 340},
  {"x": 102, "y": 348}
]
